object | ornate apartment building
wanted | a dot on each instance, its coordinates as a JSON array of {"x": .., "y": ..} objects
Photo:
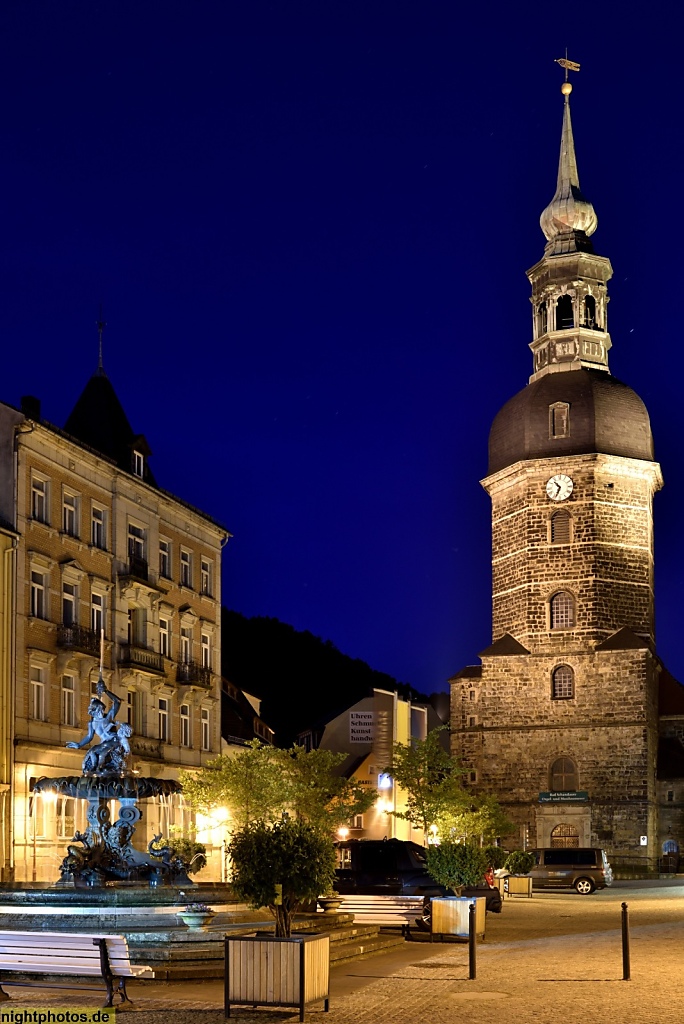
[
  {"x": 90, "y": 542},
  {"x": 564, "y": 717}
]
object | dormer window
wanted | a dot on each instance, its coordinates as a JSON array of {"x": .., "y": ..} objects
[
  {"x": 559, "y": 419},
  {"x": 138, "y": 464}
]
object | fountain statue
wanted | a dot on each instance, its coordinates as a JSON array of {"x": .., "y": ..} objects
[{"x": 105, "y": 852}]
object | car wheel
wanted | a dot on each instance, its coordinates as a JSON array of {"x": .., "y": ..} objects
[{"x": 584, "y": 886}]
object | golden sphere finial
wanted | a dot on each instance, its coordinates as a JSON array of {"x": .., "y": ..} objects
[{"x": 566, "y": 88}]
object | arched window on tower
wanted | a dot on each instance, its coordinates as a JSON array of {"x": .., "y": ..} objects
[
  {"x": 563, "y": 777},
  {"x": 561, "y": 527},
  {"x": 562, "y": 683},
  {"x": 562, "y": 608},
  {"x": 542, "y": 319},
  {"x": 590, "y": 313},
  {"x": 564, "y": 314}
]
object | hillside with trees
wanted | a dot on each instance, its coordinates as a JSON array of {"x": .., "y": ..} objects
[{"x": 300, "y": 679}]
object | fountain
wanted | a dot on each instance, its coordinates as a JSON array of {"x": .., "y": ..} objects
[{"x": 106, "y": 853}]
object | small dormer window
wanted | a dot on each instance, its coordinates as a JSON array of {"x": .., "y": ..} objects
[
  {"x": 138, "y": 464},
  {"x": 559, "y": 419}
]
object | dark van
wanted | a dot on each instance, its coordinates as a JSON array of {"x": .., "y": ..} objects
[
  {"x": 584, "y": 869},
  {"x": 394, "y": 867}
]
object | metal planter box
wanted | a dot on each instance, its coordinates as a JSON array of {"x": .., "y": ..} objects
[
  {"x": 262, "y": 970},
  {"x": 518, "y": 885},
  {"x": 451, "y": 915}
]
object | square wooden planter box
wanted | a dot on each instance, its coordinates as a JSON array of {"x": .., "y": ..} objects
[
  {"x": 518, "y": 885},
  {"x": 451, "y": 915},
  {"x": 262, "y": 970}
]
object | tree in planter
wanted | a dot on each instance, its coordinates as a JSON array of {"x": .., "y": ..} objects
[
  {"x": 520, "y": 862},
  {"x": 496, "y": 856},
  {"x": 288, "y": 854},
  {"x": 455, "y": 865},
  {"x": 480, "y": 820}
]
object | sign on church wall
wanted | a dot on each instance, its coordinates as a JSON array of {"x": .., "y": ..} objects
[{"x": 570, "y": 796}]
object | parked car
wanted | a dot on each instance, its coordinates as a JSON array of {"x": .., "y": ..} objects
[
  {"x": 394, "y": 867},
  {"x": 585, "y": 869}
]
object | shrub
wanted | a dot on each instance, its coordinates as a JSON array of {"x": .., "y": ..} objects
[
  {"x": 496, "y": 856},
  {"x": 454, "y": 865},
  {"x": 519, "y": 862},
  {"x": 193, "y": 853},
  {"x": 281, "y": 866}
]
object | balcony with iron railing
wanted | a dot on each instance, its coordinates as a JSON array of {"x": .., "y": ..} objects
[
  {"x": 189, "y": 672},
  {"x": 78, "y": 638},
  {"x": 142, "y": 658}
]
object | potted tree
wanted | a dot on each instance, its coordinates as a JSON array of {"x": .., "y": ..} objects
[
  {"x": 279, "y": 865},
  {"x": 455, "y": 865},
  {"x": 518, "y": 864}
]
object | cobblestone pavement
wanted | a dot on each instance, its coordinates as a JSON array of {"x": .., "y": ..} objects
[{"x": 553, "y": 957}]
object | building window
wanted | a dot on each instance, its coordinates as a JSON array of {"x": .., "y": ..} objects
[
  {"x": 206, "y": 738},
  {"x": 97, "y": 613},
  {"x": 98, "y": 536},
  {"x": 185, "y": 568},
  {"x": 471, "y": 695},
  {"x": 38, "y": 596},
  {"x": 564, "y": 776},
  {"x": 70, "y": 514},
  {"x": 561, "y": 525},
  {"x": 565, "y": 836},
  {"x": 562, "y": 608},
  {"x": 559, "y": 420},
  {"x": 357, "y": 821},
  {"x": 138, "y": 464},
  {"x": 590, "y": 312},
  {"x": 563, "y": 683},
  {"x": 37, "y": 697},
  {"x": 472, "y": 721},
  {"x": 163, "y": 719},
  {"x": 206, "y": 650},
  {"x": 473, "y": 776},
  {"x": 165, "y": 559},
  {"x": 205, "y": 577},
  {"x": 68, "y": 604},
  {"x": 39, "y": 500},
  {"x": 136, "y": 541},
  {"x": 137, "y": 627},
  {"x": 37, "y": 816},
  {"x": 186, "y": 644},
  {"x": 185, "y": 725},
  {"x": 68, "y": 700},
  {"x": 133, "y": 716},
  {"x": 65, "y": 817},
  {"x": 164, "y": 638}
]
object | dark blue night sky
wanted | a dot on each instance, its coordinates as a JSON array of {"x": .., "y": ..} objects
[{"x": 309, "y": 224}]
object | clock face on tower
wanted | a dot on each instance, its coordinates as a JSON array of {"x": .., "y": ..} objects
[{"x": 559, "y": 487}]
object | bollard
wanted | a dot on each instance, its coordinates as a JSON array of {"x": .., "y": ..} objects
[
  {"x": 625, "y": 943},
  {"x": 472, "y": 942}
]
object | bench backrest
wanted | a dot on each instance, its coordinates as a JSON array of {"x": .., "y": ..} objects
[{"x": 73, "y": 952}]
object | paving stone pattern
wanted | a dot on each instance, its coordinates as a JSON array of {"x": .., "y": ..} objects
[{"x": 554, "y": 957}]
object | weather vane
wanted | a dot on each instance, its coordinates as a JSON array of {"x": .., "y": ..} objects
[{"x": 569, "y": 65}]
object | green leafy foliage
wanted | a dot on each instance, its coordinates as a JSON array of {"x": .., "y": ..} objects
[
  {"x": 496, "y": 856},
  {"x": 455, "y": 865},
  {"x": 291, "y": 854},
  {"x": 519, "y": 862},
  {"x": 192, "y": 852},
  {"x": 431, "y": 780},
  {"x": 249, "y": 784},
  {"x": 482, "y": 819},
  {"x": 259, "y": 782}
]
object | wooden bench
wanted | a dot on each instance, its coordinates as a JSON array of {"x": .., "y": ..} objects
[
  {"x": 65, "y": 953},
  {"x": 391, "y": 911}
]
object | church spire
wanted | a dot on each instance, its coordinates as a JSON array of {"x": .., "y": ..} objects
[
  {"x": 569, "y": 219},
  {"x": 569, "y": 294},
  {"x": 101, "y": 324}
]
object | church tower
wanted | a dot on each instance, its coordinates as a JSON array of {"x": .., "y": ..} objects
[{"x": 560, "y": 720}]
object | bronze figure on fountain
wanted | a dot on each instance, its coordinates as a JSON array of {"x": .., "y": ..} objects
[{"x": 111, "y": 756}]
